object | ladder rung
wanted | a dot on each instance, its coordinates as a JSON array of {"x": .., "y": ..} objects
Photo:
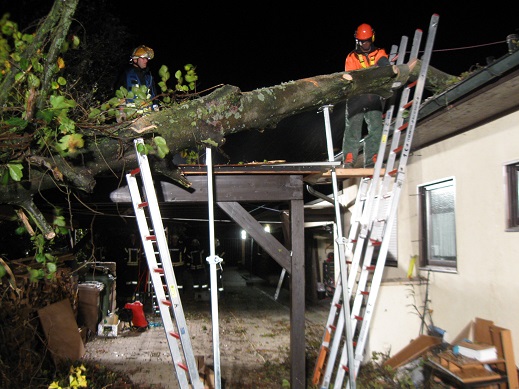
[
  {"x": 166, "y": 302},
  {"x": 338, "y": 305},
  {"x": 375, "y": 242},
  {"x": 403, "y": 127},
  {"x": 151, "y": 237},
  {"x": 143, "y": 204},
  {"x": 181, "y": 365},
  {"x": 158, "y": 270},
  {"x": 408, "y": 104},
  {"x": 411, "y": 84},
  {"x": 175, "y": 334},
  {"x": 370, "y": 268},
  {"x": 359, "y": 318},
  {"x": 135, "y": 171},
  {"x": 332, "y": 327},
  {"x": 393, "y": 172},
  {"x": 398, "y": 149}
]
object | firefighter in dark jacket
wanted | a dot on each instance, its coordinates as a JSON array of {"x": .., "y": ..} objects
[
  {"x": 366, "y": 107},
  {"x": 137, "y": 73}
]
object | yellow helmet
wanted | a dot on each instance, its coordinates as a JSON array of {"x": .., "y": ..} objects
[{"x": 143, "y": 52}]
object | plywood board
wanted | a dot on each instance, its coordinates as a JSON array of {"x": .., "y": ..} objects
[
  {"x": 413, "y": 350},
  {"x": 61, "y": 331}
]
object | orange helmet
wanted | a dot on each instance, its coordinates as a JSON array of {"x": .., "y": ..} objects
[
  {"x": 365, "y": 32},
  {"x": 143, "y": 52}
]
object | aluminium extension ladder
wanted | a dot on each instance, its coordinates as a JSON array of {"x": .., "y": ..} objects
[
  {"x": 161, "y": 272},
  {"x": 378, "y": 214}
]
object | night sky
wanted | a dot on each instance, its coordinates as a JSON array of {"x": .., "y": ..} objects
[{"x": 260, "y": 44}]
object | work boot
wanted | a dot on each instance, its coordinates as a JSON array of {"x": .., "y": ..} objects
[
  {"x": 370, "y": 163},
  {"x": 348, "y": 162}
]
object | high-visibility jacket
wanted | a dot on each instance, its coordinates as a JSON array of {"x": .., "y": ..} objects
[{"x": 357, "y": 60}]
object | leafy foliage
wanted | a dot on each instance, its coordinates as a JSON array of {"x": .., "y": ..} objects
[{"x": 54, "y": 125}]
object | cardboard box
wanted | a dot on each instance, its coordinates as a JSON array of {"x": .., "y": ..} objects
[{"x": 109, "y": 326}]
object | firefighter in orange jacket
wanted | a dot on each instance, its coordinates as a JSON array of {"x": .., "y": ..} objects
[{"x": 366, "y": 107}]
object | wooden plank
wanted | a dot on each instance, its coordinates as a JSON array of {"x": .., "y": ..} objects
[
  {"x": 347, "y": 173},
  {"x": 505, "y": 350},
  {"x": 413, "y": 350},
  {"x": 482, "y": 332},
  {"x": 238, "y": 188}
]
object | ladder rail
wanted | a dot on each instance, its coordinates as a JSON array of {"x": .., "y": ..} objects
[
  {"x": 400, "y": 178},
  {"x": 173, "y": 304},
  {"x": 337, "y": 329},
  {"x": 213, "y": 261},
  {"x": 340, "y": 240},
  {"x": 364, "y": 239},
  {"x": 152, "y": 266}
]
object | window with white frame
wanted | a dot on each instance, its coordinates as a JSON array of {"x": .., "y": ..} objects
[
  {"x": 512, "y": 188},
  {"x": 437, "y": 206}
]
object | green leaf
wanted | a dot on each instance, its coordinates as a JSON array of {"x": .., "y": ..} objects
[
  {"x": 17, "y": 122},
  {"x": 45, "y": 115},
  {"x": 3, "y": 272},
  {"x": 94, "y": 112},
  {"x": 162, "y": 147},
  {"x": 62, "y": 81},
  {"x": 34, "y": 81},
  {"x": 40, "y": 258},
  {"x": 164, "y": 73},
  {"x": 71, "y": 143},
  {"x": 35, "y": 275},
  {"x": 4, "y": 180},
  {"x": 60, "y": 221},
  {"x": 191, "y": 78},
  {"x": 15, "y": 171},
  {"x": 28, "y": 38},
  {"x": 60, "y": 102},
  {"x": 18, "y": 77},
  {"x": 75, "y": 42},
  {"x": 141, "y": 149}
]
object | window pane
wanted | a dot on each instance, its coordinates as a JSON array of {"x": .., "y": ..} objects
[
  {"x": 437, "y": 207},
  {"x": 512, "y": 192}
]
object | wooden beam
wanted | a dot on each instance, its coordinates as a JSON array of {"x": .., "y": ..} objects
[
  {"x": 270, "y": 244},
  {"x": 297, "y": 297}
]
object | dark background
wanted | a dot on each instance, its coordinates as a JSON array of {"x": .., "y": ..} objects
[{"x": 267, "y": 43}]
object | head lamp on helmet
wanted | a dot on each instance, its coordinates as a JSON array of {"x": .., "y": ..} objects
[
  {"x": 143, "y": 52},
  {"x": 365, "y": 32}
]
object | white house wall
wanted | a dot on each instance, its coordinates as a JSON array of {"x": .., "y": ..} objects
[{"x": 486, "y": 282}]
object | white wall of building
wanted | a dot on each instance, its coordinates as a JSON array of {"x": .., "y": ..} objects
[{"x": 486, "y": 282}]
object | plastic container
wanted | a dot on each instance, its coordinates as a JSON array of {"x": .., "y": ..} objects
[{"x": 138, "y": 320}]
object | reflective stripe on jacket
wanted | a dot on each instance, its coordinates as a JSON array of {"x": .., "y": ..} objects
[{"x": 356, "y": 60}]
